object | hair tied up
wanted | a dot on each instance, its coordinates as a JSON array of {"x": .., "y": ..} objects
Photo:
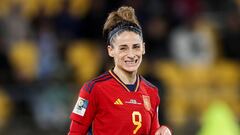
[{"x": 123, "y": 14}]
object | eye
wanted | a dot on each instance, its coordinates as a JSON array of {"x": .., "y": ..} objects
[
  {"x": 136, "y": 46},
  {"x": 122, "y": 48}
]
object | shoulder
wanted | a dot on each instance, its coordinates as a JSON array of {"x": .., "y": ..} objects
[
  {"x": 90, "y": 85},
  {"x": 151, "y": 90},
  {"x": 147, "y": 83}
]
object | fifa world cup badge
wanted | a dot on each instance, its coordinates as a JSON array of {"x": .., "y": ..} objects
[
  {"x": 81, "y": 106},
  {"x": 146, "y": 102}
]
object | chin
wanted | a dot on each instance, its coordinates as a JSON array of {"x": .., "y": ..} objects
[{"x": 130, "y": 69}]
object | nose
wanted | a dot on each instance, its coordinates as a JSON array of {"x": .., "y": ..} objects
[{"x": 131, "y": 54}]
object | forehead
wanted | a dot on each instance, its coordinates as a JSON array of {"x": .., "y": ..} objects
[{"x": 127, "y": 38}]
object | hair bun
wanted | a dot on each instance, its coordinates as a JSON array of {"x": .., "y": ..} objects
[
  {"x": 123, "y": 13},
  {"x": 127, "y": 13}
]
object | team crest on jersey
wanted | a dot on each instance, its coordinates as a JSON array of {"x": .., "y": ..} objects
[
  {"x": 146, "y": 102},
  {"x": 81, "y": 106}
]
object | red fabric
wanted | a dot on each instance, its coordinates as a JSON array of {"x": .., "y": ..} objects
[
  {"x": 112, "y": 109},
  {"x": 77, "y": 129}
]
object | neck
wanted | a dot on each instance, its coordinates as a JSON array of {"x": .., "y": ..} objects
[{"x": 126, "y": 77}]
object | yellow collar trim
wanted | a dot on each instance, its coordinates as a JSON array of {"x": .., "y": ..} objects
[{"x": 119, "y": 81}]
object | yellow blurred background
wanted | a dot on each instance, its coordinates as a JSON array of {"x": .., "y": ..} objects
[{"x": 49, "y": 48}]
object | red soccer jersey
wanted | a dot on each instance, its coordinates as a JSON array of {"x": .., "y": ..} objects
[{"x": 110, "y": 108}]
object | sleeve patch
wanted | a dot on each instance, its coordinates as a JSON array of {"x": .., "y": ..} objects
[{"x": 81, "y": 106}]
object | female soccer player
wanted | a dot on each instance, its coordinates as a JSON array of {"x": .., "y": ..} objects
[{"x": 119, "y": 102}]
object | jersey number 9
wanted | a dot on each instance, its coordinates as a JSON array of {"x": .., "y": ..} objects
[{"x": 136, "y": 122}]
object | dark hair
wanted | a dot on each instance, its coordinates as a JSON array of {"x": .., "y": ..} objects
[{"x": 124, "y": 19}]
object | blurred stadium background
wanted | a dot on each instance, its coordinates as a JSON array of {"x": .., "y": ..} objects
[{"x": 49, "y": 48}]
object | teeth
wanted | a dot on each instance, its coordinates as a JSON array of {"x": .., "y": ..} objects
[{"x": 131, "y": 62}]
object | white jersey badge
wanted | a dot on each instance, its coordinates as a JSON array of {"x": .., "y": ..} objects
[{"x": 81, "y": 106}]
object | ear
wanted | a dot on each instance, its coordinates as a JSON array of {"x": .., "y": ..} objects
[
  {"x": 143, "y": 48},
  {"x": 110, "y": 51}
]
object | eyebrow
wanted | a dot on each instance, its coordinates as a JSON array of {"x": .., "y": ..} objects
[
  {"x": 136, "y": 44},
  {"x": 124, "y": 45}
]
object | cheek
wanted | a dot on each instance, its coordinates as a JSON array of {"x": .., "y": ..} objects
[
  {"x": 139, "y": 53},
  {"x": 120, "y": 55},
  {"x": 118, "y": 58},
  {"x": 121, "y": 59}
]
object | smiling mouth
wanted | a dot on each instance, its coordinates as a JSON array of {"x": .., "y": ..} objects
[{"x": 133, "y": 62}]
